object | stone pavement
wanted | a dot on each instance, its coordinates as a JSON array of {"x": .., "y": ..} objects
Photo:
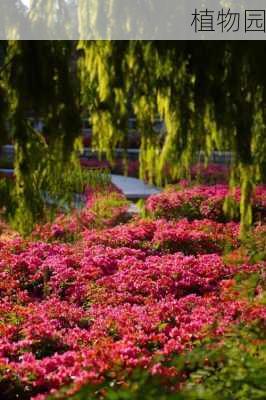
[{"x": 133, "y": 188}]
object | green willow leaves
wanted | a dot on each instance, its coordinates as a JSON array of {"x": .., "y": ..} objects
[
  {"x": 210, "y": 95},
  {"x": 37, "y": 83}
]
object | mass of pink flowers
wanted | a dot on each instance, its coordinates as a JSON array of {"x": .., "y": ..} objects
[
  {"x": 110, "y": 205},
  {"x": 211, "y": 173},
  {"x": 117, "y": 296},
  {"x": 162, "y": 236},
  {"x": 203, "y": 201}
]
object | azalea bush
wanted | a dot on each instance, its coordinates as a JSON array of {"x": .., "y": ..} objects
[
  {"x": 162, "y": 236},
  {"x": 65, "y": 192},
  {"x": 210, "y": 174},
  {"x": 233, "y": 368},
  {"x": 76, "y": 315},
  {"x": 100, "y": 206},
  {"x": 204, "y": 201},
  {"x": 94, "y": 305},
  {"x": 255, "y": 243}
]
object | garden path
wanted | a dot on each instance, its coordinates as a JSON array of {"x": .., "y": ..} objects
[{"x": 133, "y": 188}]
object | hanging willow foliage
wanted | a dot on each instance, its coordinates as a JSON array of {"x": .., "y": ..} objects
[
  {"x": 211, "y": 96},
  {"x": 37, "y": 82}
]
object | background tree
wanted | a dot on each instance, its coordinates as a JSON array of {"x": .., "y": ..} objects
[
  {"x": 211, "y": 95},
  {"x": 37, "y": 82}
]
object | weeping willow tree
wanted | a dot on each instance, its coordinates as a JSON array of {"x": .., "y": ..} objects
[
  {"x": 211, "y": 96},
  {"x": 37, "y": 83}
]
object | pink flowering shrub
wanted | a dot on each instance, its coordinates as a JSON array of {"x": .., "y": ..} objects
[
  {"x": 202, "y": 202},
  {"x": 90, "y": 298},
  {"x": 71, "y": 313},
  {"x": 210, "y": 174},
  {"x": 255, "y": 243},
  {"x": 106, "y": 207},
  {"x": 132, "y": 168},
  {"x": 94, "y": 164},
  {"x": 195, "y": 237}
]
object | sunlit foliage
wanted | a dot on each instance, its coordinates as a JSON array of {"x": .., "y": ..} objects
[
  {"x": 36, "y": 80},
  {"x": 210, "y": 96}
]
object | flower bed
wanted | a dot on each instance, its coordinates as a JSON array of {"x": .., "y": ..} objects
[
  {"x": 91, "y": 310},
  {"x": 196, "y": 237},
  {"x": 106, "y": 207},
  {"x": 210, "y": 174},
  {"x": 69, "y": 314},
  {"x": 202, "y": 202}
]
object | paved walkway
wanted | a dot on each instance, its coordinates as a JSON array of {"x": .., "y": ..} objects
[{"x": 133, "y": 188}]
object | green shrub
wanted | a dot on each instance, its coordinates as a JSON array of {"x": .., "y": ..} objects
[{"x": 228, "y": 368}]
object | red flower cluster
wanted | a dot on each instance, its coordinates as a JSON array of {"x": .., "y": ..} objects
[
  {"x": 107, "y": 208},
  {"x": 190, "y": 237},
  {"x": 123, "y": 296},
  {"x": 210, "y": 174},
  {"x": 68, "y": 314},
  {"x": 202, "y": 202}
]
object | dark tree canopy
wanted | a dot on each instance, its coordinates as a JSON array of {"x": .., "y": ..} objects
[{"x": 37, "y": 82}]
